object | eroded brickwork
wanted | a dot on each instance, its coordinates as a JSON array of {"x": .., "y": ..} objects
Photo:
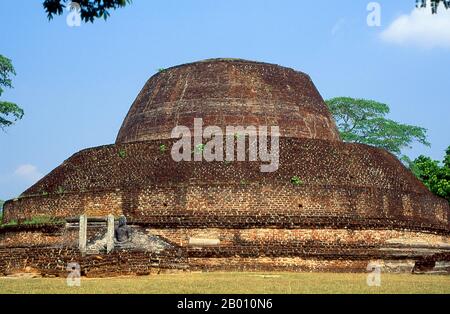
[
  {"x": 228, "y": 93},
  {"x": 354, "y": 204},
  {"x": 235, "y": 249},
  {"x": 344, "y": 185},
  {"x": 53, "y": 261}
]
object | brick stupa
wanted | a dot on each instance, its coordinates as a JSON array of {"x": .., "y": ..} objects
[{"x": 355, "y": 203}]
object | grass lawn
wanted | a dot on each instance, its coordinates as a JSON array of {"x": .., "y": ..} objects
[{"x": 235, "y": 283}]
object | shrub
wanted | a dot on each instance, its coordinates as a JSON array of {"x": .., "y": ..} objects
[
  {"x": 295, "y": 180},
  {"x": 122, "y": 153},
  {"x": 162, "y": 148},
  {"x": 44, "y": 220},
  {"x": 10, "y": 223}
]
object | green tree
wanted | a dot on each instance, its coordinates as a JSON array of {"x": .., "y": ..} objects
[
  {"x": 89, "y": 9},
  {"x": 364, "y": 121},
  {"x": 434, "y": 4},
  {"x": 1, "y": 211},
  {"x": 9, "y": 112},
  {"x": 435, "y": 175}
]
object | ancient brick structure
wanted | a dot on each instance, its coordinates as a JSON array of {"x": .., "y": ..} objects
[
  {"x": 227, "y": 93},
  {"x": 355, "y": 204}
]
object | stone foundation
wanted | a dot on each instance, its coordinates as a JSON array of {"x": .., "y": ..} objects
[{"x": 214, "y": 249}]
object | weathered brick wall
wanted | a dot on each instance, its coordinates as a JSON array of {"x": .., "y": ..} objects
[
  {"x": 246, "y": 206},
  {"x": 67, "y": 204},
  {"x": 305, "y": 243},
  {"x": 344, "y": 185},
  {"x": 283, "y": 206},
  {"x": 296, "y": 264},
  {"x": 53, "y": 261},
  {"x": 262, "y": 236},
  {"x": 38, "y": 238},
  {"x": 226, "y": 249},
  {"x": 316, "y": 162},
  {"x": 54, "y": 236},
  {"x": 228, "y": 93}
]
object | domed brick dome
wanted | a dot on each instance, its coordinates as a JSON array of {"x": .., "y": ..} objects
[
  {"x": 349, "y": 204},
  {"x": 228, "y": 92}
]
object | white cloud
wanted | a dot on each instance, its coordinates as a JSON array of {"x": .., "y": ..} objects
[
  {"x": 28, "y": 172},
  {"x": 420, "y": 28}
]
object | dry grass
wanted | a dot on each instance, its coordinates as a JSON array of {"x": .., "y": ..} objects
[{"x": 187, "y": 283}]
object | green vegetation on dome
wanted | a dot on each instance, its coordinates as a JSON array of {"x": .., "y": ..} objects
[
  {"x": 162, "y": 148},
  {"x": 295, "y": 180},
  {"x": 122, "y": 153},
  {"x": 35, "y": 221}
]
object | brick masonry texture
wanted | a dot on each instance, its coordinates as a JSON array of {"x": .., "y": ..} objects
[
  {"x": 53, "y": 261},
  {"x": 357, "y": 203},
  {"x": 238, "y": 249},
  {"x": 228, "y": 93},
  {"x": 344, "y": 184}
]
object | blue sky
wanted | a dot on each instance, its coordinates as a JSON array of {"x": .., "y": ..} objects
[{"x": 77, "y": 84}]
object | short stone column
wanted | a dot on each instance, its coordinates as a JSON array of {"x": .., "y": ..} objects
[
  {"x": 110, "y": 234},
  {"x": 83, "y": 234}
]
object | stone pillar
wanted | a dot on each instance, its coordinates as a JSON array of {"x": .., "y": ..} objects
[
  {"x": 83, "y": 234},
  {"x": 110, "y": 234}
]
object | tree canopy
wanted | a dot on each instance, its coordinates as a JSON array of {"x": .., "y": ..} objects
[
  {"x": 1, "y": 211},
  {"x": 435, "y": 175},
  {"x": 434, "y": 4},
  {"x": 93, "y": 9},
  {"x": 89, "y": 9},
  {"x": 9, "y": 112},
  {"x": 364, "y": 121}
]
